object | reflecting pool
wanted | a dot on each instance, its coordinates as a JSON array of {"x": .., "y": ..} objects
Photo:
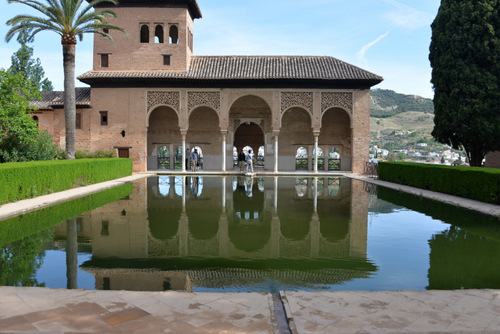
[{"x": 240, "y": 233}]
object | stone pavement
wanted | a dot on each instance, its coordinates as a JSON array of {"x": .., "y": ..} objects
[{"x": 43, "y": 310}]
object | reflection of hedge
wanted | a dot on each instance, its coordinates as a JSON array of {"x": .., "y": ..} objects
[
  {"x": 482, "y": 184},
  {"x": 476, "y": 223},
  {"x": 22, "y": 180},
  {"x": 19, "y": 227}
]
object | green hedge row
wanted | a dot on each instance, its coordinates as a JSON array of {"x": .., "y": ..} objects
[
  {"x": 482, "y": 184},
  {"x": 21, "y": 180},
  {"x": 25, "y": 225}
]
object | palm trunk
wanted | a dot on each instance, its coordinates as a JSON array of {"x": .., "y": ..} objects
[{"x": 69, "y": 98}]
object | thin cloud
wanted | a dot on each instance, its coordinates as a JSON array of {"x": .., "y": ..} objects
[
  {"x": 406, "y": 16},
  {"x": 361, "y": 53}
]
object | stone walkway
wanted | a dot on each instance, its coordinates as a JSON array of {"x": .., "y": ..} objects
[{"x": 43, "y": 310}]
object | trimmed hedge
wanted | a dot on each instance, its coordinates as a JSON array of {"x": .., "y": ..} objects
[
  {"x": 478, "y": 183},
  {"x": 25, "y": 225},
  {"x": 21, "y": 180}
]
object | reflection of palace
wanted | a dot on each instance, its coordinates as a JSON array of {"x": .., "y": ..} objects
[{"x": 312, "y": 219}]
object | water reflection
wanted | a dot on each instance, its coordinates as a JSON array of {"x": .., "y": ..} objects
[
  {"x": 259, "y": 234},
  {"x": 270, "y": 229}
]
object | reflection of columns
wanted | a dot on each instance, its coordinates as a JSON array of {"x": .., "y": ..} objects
[
  {"x": 275, "y": 195},
  {"x": 316, "y": 138},
  {"x": 315, "y": 235},
  {"x": 183, "y": 151},
  {"x": 276, "y": 133},
  {"x": 315, "y": 195},
  {"x": 223, "y": 235},
  {"x": 224, "y": 194},
  {"x": 224, "y": 134},
  {"x": 183, "y": 234},
  {"x": 184, "y": 179},
  {"x": 275, "y": 236},
  {"x": 71, "y": 254}
]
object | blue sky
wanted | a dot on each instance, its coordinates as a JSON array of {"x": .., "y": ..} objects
[{"x": 387, "y": 37}]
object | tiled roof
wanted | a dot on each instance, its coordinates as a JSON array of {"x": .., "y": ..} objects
[
  {"x": 55, "y": 99},
  {"x": 256, "y": 70}
]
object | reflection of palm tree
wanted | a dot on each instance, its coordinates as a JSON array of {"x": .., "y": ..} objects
[
  {"x": 71, "y": 254},
  {"x": 67, "y": 18}
]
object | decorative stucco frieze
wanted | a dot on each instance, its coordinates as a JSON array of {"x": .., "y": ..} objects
[
  {"x": 336, "y": 99},
  {"x": 296, "y": 99},
  {"x": 169, "y": 98},
  {"x": 210, "y": 99}
]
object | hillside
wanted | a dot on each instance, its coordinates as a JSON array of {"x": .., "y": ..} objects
[{"x": 387, "y": 103}]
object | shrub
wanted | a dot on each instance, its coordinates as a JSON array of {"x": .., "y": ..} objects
[
  {"x": 482, "y": 184},
  {"x": 22, "y": 180}
]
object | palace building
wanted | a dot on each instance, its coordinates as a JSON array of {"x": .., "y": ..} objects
[{"x": 151, "y": 99}]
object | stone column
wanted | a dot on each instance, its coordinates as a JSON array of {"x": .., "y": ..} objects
[
  {"x": 316, "y": 138},
  {"x": 276, "y": 156},
  {"x": 224, "y": 135},
  {"x": 183, "y": 151}
]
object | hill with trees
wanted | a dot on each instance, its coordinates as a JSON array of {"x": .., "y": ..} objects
[{"x": 387, "y": 103}]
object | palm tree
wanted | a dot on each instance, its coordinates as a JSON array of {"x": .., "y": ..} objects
[{"x": 67, "y": 18}]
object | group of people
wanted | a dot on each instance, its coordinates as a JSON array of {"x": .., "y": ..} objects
[
  {"x": 245, "y": 161},
  {"x": 195, "y": 160}
]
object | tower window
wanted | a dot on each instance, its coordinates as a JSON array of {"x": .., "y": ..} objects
[
  {"x": 166, "y": 60},
  {"x": 104, "y": 117},
  {"x": 159, "y": 34},
  {"x": 144, "y": 34},
  {"x": 104, "y": 60},
  {"x": 173, "y": 34}
]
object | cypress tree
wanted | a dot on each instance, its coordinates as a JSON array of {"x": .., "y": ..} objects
[{"x": 464, "y": 56}]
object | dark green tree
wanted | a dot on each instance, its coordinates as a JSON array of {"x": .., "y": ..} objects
[
  {"x": 22, "y": 62},
  {"x": 464, "y": 56},
  {"x": 20, "y": 138}
]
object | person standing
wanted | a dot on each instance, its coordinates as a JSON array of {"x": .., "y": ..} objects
[
  {"x": 250, "y": 161},
  {"x": 241, "y": 160},
  {"x": 194, "y": 160}
]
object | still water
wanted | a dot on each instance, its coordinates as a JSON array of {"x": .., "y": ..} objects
[{"x": 265, "y": 234}]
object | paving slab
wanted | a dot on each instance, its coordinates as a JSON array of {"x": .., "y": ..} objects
[
  {"x": 85, "y": 311},
  {"x": 457, "y": 311}
]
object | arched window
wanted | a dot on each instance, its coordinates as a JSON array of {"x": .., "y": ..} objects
[
  {"x": 144, "y": 34},
  {"x": 334, "y": 159},
  {"x": 35, "y": 118},
  {"x": 173, "y": 35},
  {"x": 163, "y": 158},
  {"x": 159, "y": 34},
  {"x": 301, "y": 161}
]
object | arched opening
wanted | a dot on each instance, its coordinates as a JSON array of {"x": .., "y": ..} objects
[
  {"x": 173, "y": 34},
  {"x": 159, "y": 34},
  {"x": 334, "y": 159},
  {"x": 163, "y": 131},
  {"x": 295, "y": 139},
  {"x": 35, "y": 118},
  {"x": 336, "y": 133},
  {"x": 199, "y": 151},
  {"x": 321, "y": 158},
  {"x": 250, "y": 124},
  {"x": 163, "y": 158},
  {"x": 249, "y": 137},
  {"x": 204, "y": 135},
  {"x": 178, "y": 158},
  {"x": 144, "y": 34},
  {"x": 301, "y": 159}
]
